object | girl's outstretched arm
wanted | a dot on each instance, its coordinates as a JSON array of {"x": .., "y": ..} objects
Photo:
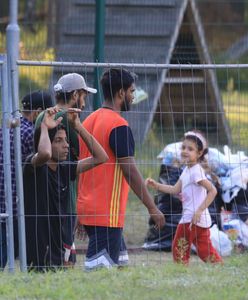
[{"x": 164, "y": 188}]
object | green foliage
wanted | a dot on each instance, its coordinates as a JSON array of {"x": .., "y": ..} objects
[
  {"x": 233, "y": 79},
  {"x": 40, "y": 5},
  {"x": 2, "y": 43},
  {"x": 33, "y": 77},
  {"x": 33, "y": 43},
  {"x": 236, "y": 109}
]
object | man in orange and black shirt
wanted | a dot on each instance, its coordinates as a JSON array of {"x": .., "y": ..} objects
[{"x": 103, "y": 191}]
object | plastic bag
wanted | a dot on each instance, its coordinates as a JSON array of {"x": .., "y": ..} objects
[
  {"x": 242, "y": 231},
  {"x": 220, "y": 241}
]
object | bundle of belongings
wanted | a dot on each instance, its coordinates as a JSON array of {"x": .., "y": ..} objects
[{"x": 229, "y": 210}]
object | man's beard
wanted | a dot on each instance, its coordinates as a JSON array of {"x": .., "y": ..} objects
[
  {"x": 76, "y": 105},
  {"x": 125, "y": 105}
]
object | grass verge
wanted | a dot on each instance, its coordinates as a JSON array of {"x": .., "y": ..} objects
[{"x": 166, "y": 280}]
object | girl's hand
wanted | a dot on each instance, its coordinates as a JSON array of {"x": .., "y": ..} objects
[
  {"x": 196, "y": 217},
  {"x": 151, "y": 183}
]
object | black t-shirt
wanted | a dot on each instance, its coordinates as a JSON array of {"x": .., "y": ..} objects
[
  {"x": 122, "y": 142},
  {"x": 46, "y": 193}
]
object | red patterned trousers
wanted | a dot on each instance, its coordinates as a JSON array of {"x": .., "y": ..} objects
[{"x": 186, "y": 236}]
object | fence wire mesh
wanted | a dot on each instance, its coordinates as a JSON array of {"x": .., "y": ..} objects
[
  {"x": 169, "y": 101},
  {"x": 170, "y": 46}
]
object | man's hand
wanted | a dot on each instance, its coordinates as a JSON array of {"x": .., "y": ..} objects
[
  {"x": 80, "y": 232},
  {"x": 49, "y": 118},
  {"x": 73, "y": 117},
  {"x": 158, "y": 218}
]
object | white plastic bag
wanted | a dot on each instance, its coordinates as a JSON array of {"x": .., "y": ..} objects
[
  {"x": 242, "y": 230},
  {"x": 220, "y": 241}
]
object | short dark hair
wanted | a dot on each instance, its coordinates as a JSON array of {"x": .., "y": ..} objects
[
  {"x": 115, "y": 79},
  {"x": 63, "y": 97},
  {"x": 51, "y": 133},
  {"x": 37, "y": 99}
]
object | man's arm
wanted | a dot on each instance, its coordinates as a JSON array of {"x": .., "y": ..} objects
[
  {"x": 99, "y": 156},
  {"x": 44, "y": 148},
  {"x": 137, "y": 184},
  {"x": 44, "y": 152}
]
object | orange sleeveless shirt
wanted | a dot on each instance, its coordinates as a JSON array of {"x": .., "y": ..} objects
[{"x": 103, "y": 190}]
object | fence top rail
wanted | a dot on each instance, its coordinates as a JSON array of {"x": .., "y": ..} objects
[{"x": 129, "y": 65}]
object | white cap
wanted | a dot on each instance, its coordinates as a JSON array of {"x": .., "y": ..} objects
[{"x": 71, "y": 82}]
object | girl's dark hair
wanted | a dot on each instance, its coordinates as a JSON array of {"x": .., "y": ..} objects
[
  {"x": 203, "y": 161},
  {"x": 115, "y": 79},
  {"x": 51, "y": 133},
  {"x": 198, "y": 143}
]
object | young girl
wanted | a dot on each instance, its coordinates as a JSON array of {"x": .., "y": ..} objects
[{"x": 197, "y": 193}]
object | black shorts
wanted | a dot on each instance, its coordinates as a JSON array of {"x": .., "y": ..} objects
[{"x": 104, "y": 238}]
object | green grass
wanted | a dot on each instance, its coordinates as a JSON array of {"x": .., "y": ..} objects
[{"x": 165, "y": 280}]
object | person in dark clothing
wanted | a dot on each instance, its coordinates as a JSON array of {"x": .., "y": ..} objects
[
  {"x": 47, "y": 176},
  {"x": 32, "y": 103}
]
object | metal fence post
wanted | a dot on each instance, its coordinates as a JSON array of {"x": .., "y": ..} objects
[
  {"x": 13, "y": 34},
  {"x": 99, "y": 48},
  {"x": 6, "y": 107}
]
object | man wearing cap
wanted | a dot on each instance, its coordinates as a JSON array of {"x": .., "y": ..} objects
[
  {"x": 33, "y": 104},
  {"x": 70, "y": 92},
  {"x": 103, "y": 191}
]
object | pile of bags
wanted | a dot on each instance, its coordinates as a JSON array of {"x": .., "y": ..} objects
[{"x": 229, "y": 210}]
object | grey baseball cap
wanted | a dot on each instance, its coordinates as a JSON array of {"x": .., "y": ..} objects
[{"x": 71, "y": 82}]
